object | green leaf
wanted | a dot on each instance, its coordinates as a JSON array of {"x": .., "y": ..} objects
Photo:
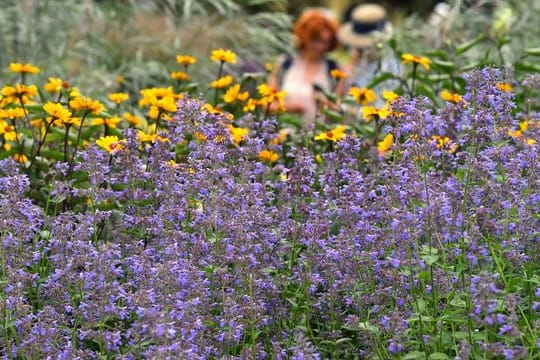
[
  {"x": 527, "y": 67},
  {"x": 430, "y": 259},
  {"x": 438, "y": 356},
  {"x": 333, "y": 115},
  {"x": 532, "y": 51},
  {"x": 461, "y": 49},
  {"x": 447, "y": 66},
  {"x": 52, "y": 154},
  {"x": 414, "y": 355}
]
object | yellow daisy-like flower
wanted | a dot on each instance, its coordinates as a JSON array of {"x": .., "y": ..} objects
[
  {"x": 222, "y": 82},
  {"x": 144, "y": 137},
  {"x": 530, "y": 141},
  {"x": 505, "y": 87},
  {"x": 269, "y": 67},
  {"x": 416, "y": 59},
  {"x": 57, "y": 111},
  {"x": 72, "y": 121},
  {"x": 111, "y": 122},
  {"x": 238, "y": 134},
  {"x": 268, "y": 156},
  {"x": 250, "y": 105},
  {"x": 20, "y": 158},
  {"x": 119, "y": 97},
  {"x": 164, "y": 105},
  {"x": 452, "y": 97},
  {"x": 335, "y": 135},
  {"x": 523, "y": 125},
  {"x": 233, "y": 94},
  {"x": 385, "y": 144},
  {"x": 132, "y": 119},
  {"x": 338, "y": 74},
  {"x": 54, "y": 85},
  {"x": 269, "y": 95},
  {"x": 87, "y": 104},
  {"x": 363, "y": 96},
  {"x": 372, "y": 113},
  {"x": 74, "y": 92},
  {"x": 389, "y": 95},
  {"x": 199, "y": 136},
  {"x": 281, "y": 137},
  {"x": 23, "y": 68},
  {"x": 186, "y": 59},
  {"x": 179, "y": 75},
  {"x": 222, "y": 55},
  {"x": 19, "y": 92},
  {"x": 12, "y": 113},
  {"x": 111, "y": 144},
  {"x": 148, "y": 96}
]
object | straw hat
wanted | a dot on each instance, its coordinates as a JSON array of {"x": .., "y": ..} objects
[{"x": 367, "y": 22}]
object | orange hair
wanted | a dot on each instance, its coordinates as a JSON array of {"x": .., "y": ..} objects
[{"x": 311, "y": 23}]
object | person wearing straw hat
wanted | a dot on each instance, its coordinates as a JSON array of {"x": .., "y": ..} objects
[{"x": 363, "y": 33}]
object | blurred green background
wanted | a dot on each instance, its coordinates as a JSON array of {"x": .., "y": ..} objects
[{"x": 90, "y": 43}]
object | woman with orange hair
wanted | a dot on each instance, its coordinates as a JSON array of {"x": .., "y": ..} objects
[{"x": 305, "y": 75}]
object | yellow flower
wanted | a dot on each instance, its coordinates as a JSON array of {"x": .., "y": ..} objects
[
  {"x": 12, "y": 113},
  {"x": 416, "y": 59},
  {"x": 143, "y": 137},
  {"x": 268, "y": 156},
  {"x": 199, "y": 136},
  {"x": 72, "y": 121},
  {"x": 54, "y": 85},
  {"x": 452, "y": 97},
  {"x": 389, "y": 95},
  {"x": 504, "y": 87},
  {"x": 179, "y": 75},
  {"x": 523, "y": 125},
  {"x": 57, "y": 111},
  {"x": 74, "y": 92},
  {"x": 132, "y": 119},
  {"x": 23, "y": 68},
  {"x": 120, "y": 79},
  {"x": 238, "y": 134},
  {"x": 338, "y": 74},
  {"x": 319, "y": 159},
  {"x": 222, "y": 82},
  {"x": 110, "y": 143},
  {"x": 111, "y": 122},
  {"x": 530, "y": 141},
  {"x": 221, "y": 55},
  {"x": 372, "y": 113},
  {"x": 148, "y": 96},
  {"x": 162, "y": 106},
  {"x": 269, "y": 95},
  {"x": 385, "y": 144},
  {"x": 19, "y": 92},
  {"x": 87, "y": 104},
  {"x": 280, "y": 138},
  {"x": 269, "y": 67},
  {"x": 20, "y": 158},
  {"x": 118, "y": 97},
  {"x": 186, "y": 59},
  {"x": 250, "y": 105},
  {"x": 363, "y": 96},
  {"x": 335, "y": 135},
  {"x": 233, "y": 94}
]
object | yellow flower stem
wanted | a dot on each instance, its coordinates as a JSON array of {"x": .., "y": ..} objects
[
  {"x": 79, "y": 136},
  {"x": 218, "y": 76}
]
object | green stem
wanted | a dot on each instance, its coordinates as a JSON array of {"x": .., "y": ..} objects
[
  {"x": 78, "y": 137},
  {"x": 218, "y": 76}
]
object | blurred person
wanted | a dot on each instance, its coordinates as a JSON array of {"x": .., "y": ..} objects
[
  {"x": 364, "y": 33},
  {"x": 306, "y": 75}
]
